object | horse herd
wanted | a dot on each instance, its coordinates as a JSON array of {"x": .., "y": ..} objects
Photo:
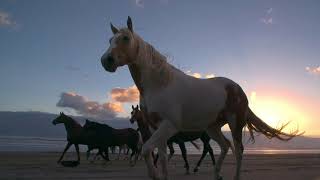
[
  {"x": 177, "y": 106},
  {"x": 103, "y": 137}
]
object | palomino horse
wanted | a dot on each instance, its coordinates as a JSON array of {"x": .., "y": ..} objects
[
  {"x": 116, "y": 137},
  {"x": 179, "y": 138},
  {"x": 179, "y": 99}
]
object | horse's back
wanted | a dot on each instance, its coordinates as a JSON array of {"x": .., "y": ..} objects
[{"x": 127, "y": 136}]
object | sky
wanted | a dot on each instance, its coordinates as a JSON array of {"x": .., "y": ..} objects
[{"x": 50, "y": 53}]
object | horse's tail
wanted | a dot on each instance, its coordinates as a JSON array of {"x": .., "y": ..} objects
[
  {"x": 254, "y": 123},
  {"x": 195, "y": 145}
]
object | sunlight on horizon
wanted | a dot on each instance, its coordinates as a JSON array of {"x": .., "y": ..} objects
[{"x": 276, "y": 111}]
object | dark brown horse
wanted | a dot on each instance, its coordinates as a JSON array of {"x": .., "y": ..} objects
[
  {"x": 115, "y": 137},
  {"x": 179, "y": 138},
  {"x": 77, "y": 135}
]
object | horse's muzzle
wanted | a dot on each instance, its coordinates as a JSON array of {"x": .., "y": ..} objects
[
  {"x": 108, "y": 63},
  {"x": 54, "y": 122}
]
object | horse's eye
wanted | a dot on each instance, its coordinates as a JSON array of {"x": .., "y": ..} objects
[{"x": 126, "y": 38}]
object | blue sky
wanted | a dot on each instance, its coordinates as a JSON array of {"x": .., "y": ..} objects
[{"x": 51, "y": 47}]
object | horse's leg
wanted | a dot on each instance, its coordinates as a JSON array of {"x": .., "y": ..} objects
[
  {"x": 88, "y": 153},
  {"x": 155, "y": 158},
  {"x": 65, "y": 150},
  {"x": 120, "y": 148},
  {"x": 106, "y": 153},
  {"x": 216, "y": 134},
  {"x": 97, "y": 154},
  {"x": 77, "y": 149},
  {"x": 158, "y": 139},
  {"x": 206, "y": 148},
  {"x": 170, "y": 146},
  {"x": 236, "y": 123},
  {"x": 184, "y": 155}
]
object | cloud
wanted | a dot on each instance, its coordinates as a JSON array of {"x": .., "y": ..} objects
[
  {"x": 139, "y": 3},
  {"x": 209, "y": 76},
  {"x": 5, "y": 19},
  {"x": 199, "y": 75},
  {"x": 85, "y": 107},
  {"x": 125, "y": 95},
  {"x": 313, "y": 70},
  {"x": 268, "y": 19}
]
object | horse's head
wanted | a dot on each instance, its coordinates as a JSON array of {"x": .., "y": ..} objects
[
  {"x": 62, "y": 118},
  {"x": 136, "y": 114},
  {"x": 123, "y": 48}
]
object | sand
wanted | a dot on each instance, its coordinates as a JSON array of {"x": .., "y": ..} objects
[{"x": 35, "y": 165}]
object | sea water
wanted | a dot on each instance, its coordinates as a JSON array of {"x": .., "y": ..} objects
[{"x": 44, "y": 144}]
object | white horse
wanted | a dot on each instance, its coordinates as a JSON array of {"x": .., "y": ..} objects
[{"x": 178, "y": 99}]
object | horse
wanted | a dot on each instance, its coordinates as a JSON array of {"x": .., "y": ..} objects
[
  {"x": 180, "y": 139},
  {"x": 76, "y": 135},
  {"x": 179, "y": 99},
  {"x": 100, "y": 152},
  {"x": 116, "y": 137}
]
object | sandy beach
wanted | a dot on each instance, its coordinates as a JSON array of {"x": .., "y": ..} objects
[{"x": 34, "y": 165}]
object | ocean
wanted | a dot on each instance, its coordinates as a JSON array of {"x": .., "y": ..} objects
[{"x": 43, "y": 144}]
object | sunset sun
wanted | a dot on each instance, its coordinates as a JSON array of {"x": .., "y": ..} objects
[{"x": 277, "y": 111}]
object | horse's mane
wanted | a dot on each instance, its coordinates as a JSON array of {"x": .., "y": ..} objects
[
  {"x": 153, "y": 61},
  {"x": 74, "y": 122}
]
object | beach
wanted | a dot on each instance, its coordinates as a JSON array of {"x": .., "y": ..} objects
[{"x": 42, "y": 165}]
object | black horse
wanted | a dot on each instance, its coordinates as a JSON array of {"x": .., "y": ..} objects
[
  {"x": 77, "y": 135},
  {"x": 115, "y": 137},
  {"x": 182, "y": 137}
]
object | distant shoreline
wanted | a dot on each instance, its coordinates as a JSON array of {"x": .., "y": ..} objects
[{"x": 48, "y": 144}]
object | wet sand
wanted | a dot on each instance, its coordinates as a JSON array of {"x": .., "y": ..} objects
[{"x": 36, "y": 166}]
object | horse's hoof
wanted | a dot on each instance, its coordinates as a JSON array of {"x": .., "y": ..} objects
[
  {"x": 195, "y": 170},
  {"x": 220, "y": 178}
]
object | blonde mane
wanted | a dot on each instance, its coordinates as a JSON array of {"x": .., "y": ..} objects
[{"x": 153, "y": 63}]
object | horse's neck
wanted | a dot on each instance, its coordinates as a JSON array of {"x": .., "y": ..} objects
[
  {"x": 143, "y": 125},
  {"x": 136, "y": 76},
  {"x": 150, "y": 69},
  {"x": 71, "y": 127}
]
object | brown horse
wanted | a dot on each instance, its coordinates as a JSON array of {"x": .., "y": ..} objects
[
  {"x": 77, "y": 135},
  {"x": 179, "y": 138},
  {"x": 115, "y": 137}
]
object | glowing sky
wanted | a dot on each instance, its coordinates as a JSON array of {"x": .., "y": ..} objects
[{"x": 52, "y": 49}]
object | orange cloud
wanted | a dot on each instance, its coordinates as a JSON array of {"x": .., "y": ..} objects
[
  {"x": 114, "y": 106},
  {"x": 125, "y": 95},
  {"x": 313, "y": 70},
  {"x": 199, "y": 75},
  {"x": 83, "y": 106}
]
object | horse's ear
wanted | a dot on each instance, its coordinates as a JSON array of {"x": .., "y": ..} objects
[
  {"x": 60, "y": 113},
  {"x": 114, "y": 29},
  {"x": 129, "y": 24},
  {"x": 137, "y": 107},
  {"x": 132, "y": 106}
]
